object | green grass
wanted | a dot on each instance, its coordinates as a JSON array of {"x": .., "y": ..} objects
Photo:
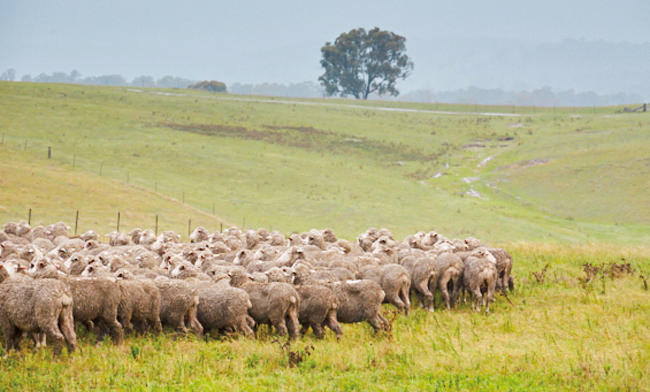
[
  {"x": 293, "y": 167},
  {"x": 564, "y": 186}
]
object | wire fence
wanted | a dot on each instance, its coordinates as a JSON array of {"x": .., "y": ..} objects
[{"x": 81, "y": 221}]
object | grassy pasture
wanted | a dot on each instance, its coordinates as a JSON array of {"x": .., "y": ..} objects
[
  {"x": 556, "y": 186},
  {"x": 549, "y": 175}
]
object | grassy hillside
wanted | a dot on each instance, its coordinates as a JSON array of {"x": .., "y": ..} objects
[
  {"x": 554, "y": 176},
  {"x": 55, "y": 193},
  {"x": 549, "y": 175}
]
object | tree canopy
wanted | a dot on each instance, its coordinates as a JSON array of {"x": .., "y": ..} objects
[{"x": 362, "y": 62}]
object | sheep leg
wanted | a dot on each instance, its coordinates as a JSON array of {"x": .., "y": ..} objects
[
  {"x": 318, "y": 330},
  {"x": 456, "y": 291},
  {"x": 55, "y": 336},
  {"x": 425, "y": 296},
  {"x": 117, "y": 333},
  {"x": 376, "y": 323},
  {"x": 477, "y": 296},
  {"x": 292, "y": 322},
  {"x": 384, "y": 321},
  {"x": 332, "y": 323},
  {"x": 11, "y": 334},
  {"x": 404, "y": 295},
  {"x": 397, "y": 301},
  {"x": 445, "y": 294},
  {"x": 193, "y": 321},
  {"x": 66, "y": 325},
  {"x": 244, "y": 328},
  {"x": 277, "y": 319}
]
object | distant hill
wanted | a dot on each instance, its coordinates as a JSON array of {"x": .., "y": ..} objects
[{"x": 552, "y": 174}]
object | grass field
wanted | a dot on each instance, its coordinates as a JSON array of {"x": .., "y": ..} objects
[
  {"x": 573, "y": 176},
  {"x": 556, "y": 186}
]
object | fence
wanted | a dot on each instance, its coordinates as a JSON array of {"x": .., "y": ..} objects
[{"x": 117, "y": 225}]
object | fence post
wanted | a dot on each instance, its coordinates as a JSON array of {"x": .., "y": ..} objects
[
  {"x": 49, "y": 152},
  {"x": 156, "y": 225},
  {"x": 220, "y": 227},
  {"x": 118, "y": 221},
  {"x": 29, "y": 217},
  {"x": 76, "y": 222}
]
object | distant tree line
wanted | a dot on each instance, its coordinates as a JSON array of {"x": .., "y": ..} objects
[
  {"x": 473, "y": 95},
  {"x": 75, "y": 77}
]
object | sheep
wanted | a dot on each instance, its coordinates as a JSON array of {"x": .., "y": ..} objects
[
  {"x": 424, "y": 280},
  {"x": 360, "y": 300},
  {"x": 329, "y": 236},
  {"x": 36, "y": 306},
  {"x": 504, "y": 268},
  {"x": 185, "y": 270},
  {"x": 480, "y": 275},
  {"x": 58, "y": 229},
  {"x": 224, "y": 308},
  {"x": 95, "y": 300},
  {"x": 178, "y": 305},
  {"x": 450, "y": 274},
  {"x": 318, "y": 308},
  {"x": 89, "y": 235},
  {"x": 116, "y": 238},
  {"x": 140, "y": 303},
  {"x": 394, "y": 281},
  {"x": 276, "y": 304},
  {"x": 199, "y": 234}
]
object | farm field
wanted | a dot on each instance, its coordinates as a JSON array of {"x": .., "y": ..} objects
[{"x": 555, "y": 186}]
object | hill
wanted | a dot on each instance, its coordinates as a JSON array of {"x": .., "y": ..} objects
[
  {"x": 555, "y": 176},
  {"x": 538, "y": 174}
]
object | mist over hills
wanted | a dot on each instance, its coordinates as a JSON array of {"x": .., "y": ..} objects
[{"x": 572, "y": 72}]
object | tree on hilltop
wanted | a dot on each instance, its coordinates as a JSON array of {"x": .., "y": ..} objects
[{"x": 362, "y": 62}]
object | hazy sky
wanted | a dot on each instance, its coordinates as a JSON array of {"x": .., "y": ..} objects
[{"x": 279, "y": 40}]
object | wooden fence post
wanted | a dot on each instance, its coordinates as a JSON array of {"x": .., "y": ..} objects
[
  {"x": 49, "y": 152},
  {"x": 118, "y": 221},
  {"x": 156, "y": 225},
  {"x": 29, "y": 217},
  {"x": 76, "y": 222}
]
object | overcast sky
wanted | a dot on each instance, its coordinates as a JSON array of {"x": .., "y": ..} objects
[{"x": 279, "y": 40}]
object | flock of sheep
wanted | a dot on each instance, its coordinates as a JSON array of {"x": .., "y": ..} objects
[{"x": 228, "y": 282}]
